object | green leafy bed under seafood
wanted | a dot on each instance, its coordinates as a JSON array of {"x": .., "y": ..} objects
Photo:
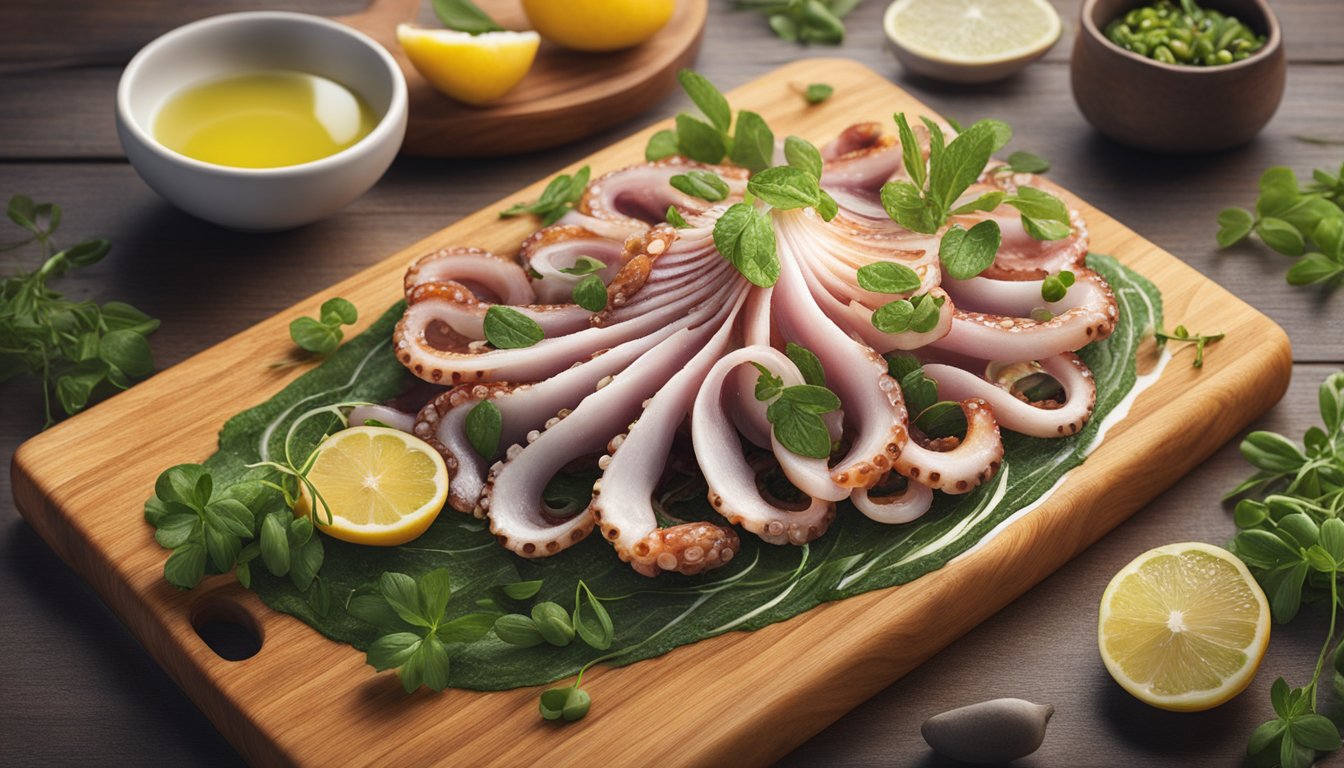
[{"x": 762, "y": 585}]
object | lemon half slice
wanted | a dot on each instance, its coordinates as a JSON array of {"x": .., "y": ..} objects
[
  {"x": 970, "y": 40},
  {"x": 475, "y": 69},
  {"x": 382, "y": 486},
  {"x": 1183, "y": 627}
]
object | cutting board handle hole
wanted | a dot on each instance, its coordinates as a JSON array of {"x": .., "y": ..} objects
[{"x": 227, "y": 629}]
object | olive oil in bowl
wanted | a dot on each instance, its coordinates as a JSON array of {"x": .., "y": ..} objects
[{"x": 263, "y": 119}]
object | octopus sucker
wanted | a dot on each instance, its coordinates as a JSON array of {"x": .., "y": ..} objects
[{"x": 663, "y": 382}]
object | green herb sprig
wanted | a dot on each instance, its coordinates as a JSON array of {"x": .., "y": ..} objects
[
  {"x": 412, "y": 612},
  {"x": 1291, "y": 218},
  {"x": 935, "y": 418},
  {"x": 751, "y": 145},
  {"x": 803, "y": 21},
  {"x": 80, "y": 349},
  {"x": 795, "y": 412},
  {"x": 558, "y": 198},
  {"x": 549, "y": 623},
  {"x": 1181, "y": 334},
  {"x": 925, "y": 202},
  {"x": 1291, "y": 536},
  {"x": 323, "y": 335}
]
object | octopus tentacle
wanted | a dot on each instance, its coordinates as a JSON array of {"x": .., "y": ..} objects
[
  {"x": 973, "y": 461},
  {"x": 856, "y": 374},
  {"x": 909, "y": 504},
  {"x": 512, "y": 497},
  {"x": 1088, "y": 312},
  {"x": 1012, "y": 412},
  {"x": 622, "y": 497},
  {"x": 484, "y": 274},
  {"x": 676, "y": 341},
  {"x": 733, "y": 491}
]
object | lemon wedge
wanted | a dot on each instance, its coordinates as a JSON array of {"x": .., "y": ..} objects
[
  {"x": 474, "y": 69},
  {"x": 382, "y": 486},
  {"x": 598, "y": 25},
  {"x": 970, "y": 41},
  {"x": 1183, "y": 627}
]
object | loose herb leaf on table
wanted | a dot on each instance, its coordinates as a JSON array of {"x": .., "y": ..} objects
[
  {"x": 1292, "y": 538},
  {"x": 1293, "y": 218},
  {"x": 803, "y": 21},
  {"x": 81, "y": 350}
]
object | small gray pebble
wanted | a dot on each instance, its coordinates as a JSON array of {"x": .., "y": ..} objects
[{"x": 995, "y": 731}]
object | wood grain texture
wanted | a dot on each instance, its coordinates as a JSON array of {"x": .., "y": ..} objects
[
  {"x": 567, "y": 95},
  {"x": 81, "y": 485}
]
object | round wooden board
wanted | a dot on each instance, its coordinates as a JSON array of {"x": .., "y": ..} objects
[{"x": 566, "y": 96}]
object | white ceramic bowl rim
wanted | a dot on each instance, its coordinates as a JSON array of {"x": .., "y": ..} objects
[
  {"x": 387, "y": 121},
  {"x": 1271, "y": 43}
]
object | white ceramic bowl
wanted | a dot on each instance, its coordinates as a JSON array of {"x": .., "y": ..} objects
[{"x": 261, "y": 199}]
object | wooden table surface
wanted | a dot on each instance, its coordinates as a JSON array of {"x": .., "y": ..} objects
[{"x": 75, "y": 686}]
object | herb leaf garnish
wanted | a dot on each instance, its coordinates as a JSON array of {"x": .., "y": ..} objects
[
  {"x": 484, "y": 423},
  {"x": 808, "y": 364},
  {"x": 817, "y": 93},
  {"x": 813, "y": 21},
  {"x": 1055, "y": 287},
  {"x": 1181, "y": 334},
  {"x": 412, "y": 611},
  {"x": 323, "y": 335},
  {"x": 591, "y": 293},
  {"x": 888, "y": 277},
  {"x": 966, "y": 253},
  {"x": 795, "y": 412},
  {"x": 705, "y": 185},
  {"x": 507, "y": 328},
  {"x": 558, "y": 198}
]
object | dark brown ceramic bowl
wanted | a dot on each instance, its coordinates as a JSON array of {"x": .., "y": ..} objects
[{"x": 1171, "y": 107}]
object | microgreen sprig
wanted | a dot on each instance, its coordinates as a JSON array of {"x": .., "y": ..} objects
[
  {"x": 323, "y": 335},
  {"x": 1291, "y": 536},
  {"x": 80, "y": 350},
  {"x": 1055, "y": 287},
  {"x": 1181, "y": 334},
  {"x": 558, "y": 198}
]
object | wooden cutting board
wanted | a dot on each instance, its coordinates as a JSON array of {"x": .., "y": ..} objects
[
  {"x": 744, "y": 697},
  {"x": 567, "y": 95}
]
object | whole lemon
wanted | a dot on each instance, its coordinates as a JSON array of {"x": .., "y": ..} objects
[{"x": 598, "y": 25}]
